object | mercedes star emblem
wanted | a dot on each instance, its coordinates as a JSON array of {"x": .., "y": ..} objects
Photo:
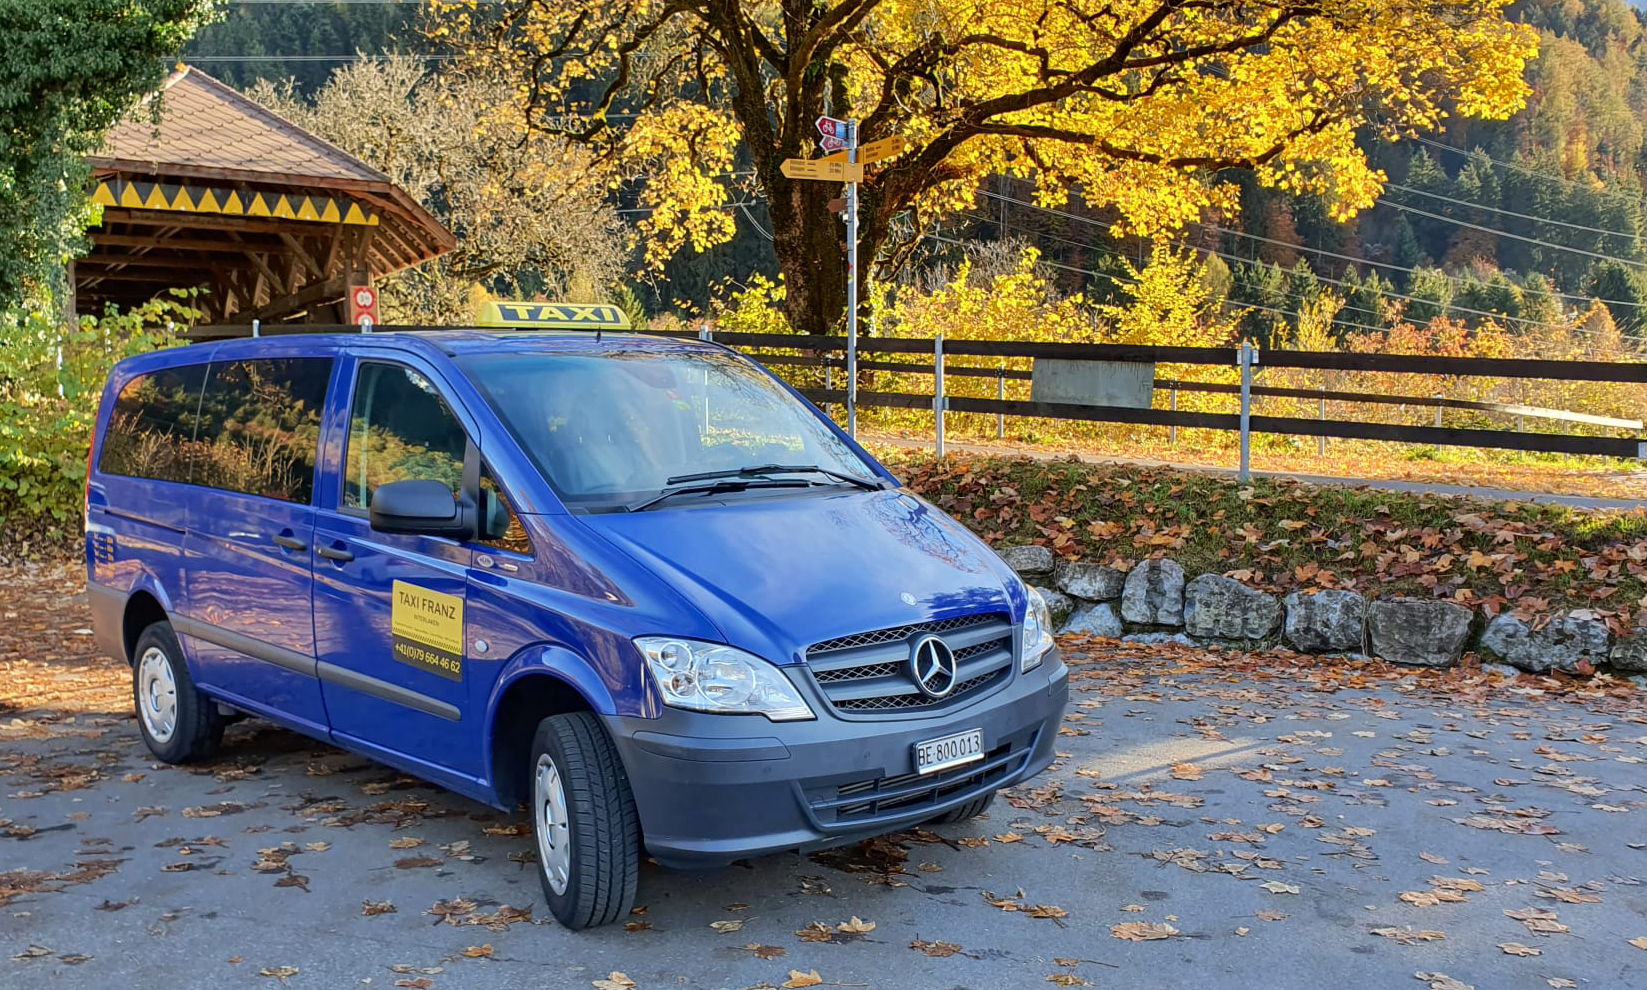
[{"x": 932, "y": 665}]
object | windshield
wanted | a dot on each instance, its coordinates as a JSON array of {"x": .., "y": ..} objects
[{"x": 607, "y": 429}]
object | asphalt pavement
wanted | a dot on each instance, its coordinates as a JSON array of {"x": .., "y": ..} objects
[{"x": 1214, "y": 820}]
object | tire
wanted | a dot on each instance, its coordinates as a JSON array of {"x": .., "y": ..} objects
[
  {"x": 584, "y": 823},
  {"x": 966, "y": 812},
  {"x": 177, "y": 722}
]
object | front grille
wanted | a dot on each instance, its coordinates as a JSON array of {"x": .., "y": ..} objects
[
  {"x": 903, "y": 702},
  {"x": 868, "y": 673},
  {"x": 886, "y": 797}
]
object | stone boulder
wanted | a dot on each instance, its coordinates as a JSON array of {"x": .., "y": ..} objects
[
  {"x": 1059, "y": 604},
  {"x": 1629, "y": 653},
  {"x": 1093, "y": 582},
  {"x": 1097, "y": 619},
  {"x": 1217, "y": 607},
  {"x": 1418, "y": 631},
  {"x": 1566, "y": 641},
  {"x": 1153, "y": 594},
  {"x": 1326, "y": 622},
  {"x": 1029, "y": 562}
]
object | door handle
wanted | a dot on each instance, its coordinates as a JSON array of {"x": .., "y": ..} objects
[
  {"x": 289, "y": 542},
  {"x": 336, "y": 553}
]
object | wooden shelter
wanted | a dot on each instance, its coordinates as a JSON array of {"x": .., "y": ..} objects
[{"x": 222, "y": 193}]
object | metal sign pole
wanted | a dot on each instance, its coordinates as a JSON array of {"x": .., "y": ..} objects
[{"x": 852, "y": 286}]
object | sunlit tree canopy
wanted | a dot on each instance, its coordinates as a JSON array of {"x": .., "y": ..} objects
[{"x": 1136, "y": 104}]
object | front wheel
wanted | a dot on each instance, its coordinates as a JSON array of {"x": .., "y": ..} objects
[
  {"x": 178, "y": 723},
  {"x": 584, "y": 821}
]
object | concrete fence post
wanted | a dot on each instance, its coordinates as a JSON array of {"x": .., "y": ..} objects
[
  {"x": 1321, "y": 441},
  {"x": 1248, "y": 356},
  {"x": 1172, "y": 428},
  {"x": 1000, "y": 396}
]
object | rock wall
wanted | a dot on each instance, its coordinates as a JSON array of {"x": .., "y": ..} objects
[{"x": 1152, "y": 601}]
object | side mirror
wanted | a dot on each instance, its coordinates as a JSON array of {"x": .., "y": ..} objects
[{"x": 422, "y": 506}]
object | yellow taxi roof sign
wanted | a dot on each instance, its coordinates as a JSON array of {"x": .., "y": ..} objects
[{"x": 552, "y": 316}]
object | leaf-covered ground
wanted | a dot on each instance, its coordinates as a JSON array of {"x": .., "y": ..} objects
[
  {"x": 1215, "y": 818},
  {"x": 1280, "y": 535},
  {"x": 1595, "y": 477}
]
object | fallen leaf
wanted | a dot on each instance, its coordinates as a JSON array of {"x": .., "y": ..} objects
[
  {"x": 1517, "y": 949},
  {"x": 1441, "y": 981},
  {"x": 478, "y": 951},
  {"x": 1186, "y": 771},
  {"x": 614, "y": 981},
  {"x": 370, "y": 908},
  {"x": 857, "y": 926},
  {"x": 938, "y": 950},
  {"x": 1408, "y": 935},
  {"x": 726, "y": 926},
  {"x": 1067, "y": 980},
  {"x": 1538, "y": 922},
  {"x": 33, "y": 952},
  {"x": 278, "y": 972},
  {"x": 1277, "y": 887},
  {"x": 405, "y": 842},
  {"x": 1268, "y": 914},
  {"x": 766, "y": 951},
  {"x": 1142, "y": 931},
  {"x": 1640, "y": 943},
  {"x": 799, "y": 979},
  {"x": 1133, "y": 907},
  {"x": 1561, "y": 983},
  {"x": 816, "y": 932}
]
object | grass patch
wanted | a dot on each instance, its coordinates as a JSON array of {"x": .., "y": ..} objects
[{"x": 1281, "y": 535}]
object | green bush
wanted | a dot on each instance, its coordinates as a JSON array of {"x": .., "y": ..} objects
[{"x": 51, "y": 379}]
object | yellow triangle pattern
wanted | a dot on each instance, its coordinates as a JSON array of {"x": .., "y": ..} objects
[{"x": 230, "y": 202}]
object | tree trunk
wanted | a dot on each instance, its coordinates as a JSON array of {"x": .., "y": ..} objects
[{"x": 810, "y": 243}]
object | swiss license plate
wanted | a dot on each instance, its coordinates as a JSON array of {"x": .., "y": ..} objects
[{"x": 949, "y": 751}]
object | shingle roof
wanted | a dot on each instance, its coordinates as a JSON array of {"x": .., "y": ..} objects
[{"x": 206, "y": 124}]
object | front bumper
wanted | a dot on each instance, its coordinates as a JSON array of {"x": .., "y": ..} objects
[{"x": 715, "y": 788}]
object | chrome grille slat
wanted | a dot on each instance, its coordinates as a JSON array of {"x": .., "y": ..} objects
[{"x": 866, "y": 673}]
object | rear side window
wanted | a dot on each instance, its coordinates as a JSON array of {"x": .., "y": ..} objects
[
  {"x": 399, "y": 429},
  {"x": 151, "y": 431},
  {"x": 259, "y": 429}
]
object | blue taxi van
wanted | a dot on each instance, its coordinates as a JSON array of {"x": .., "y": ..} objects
[{"x": 636, "y": 583}]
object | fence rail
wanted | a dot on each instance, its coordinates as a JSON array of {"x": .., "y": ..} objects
[{"x": 809, "y": 350}]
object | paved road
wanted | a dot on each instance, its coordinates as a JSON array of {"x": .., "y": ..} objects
[
  {"x": 1386, "y": 484},
  {"x": 1273, "y": 819}
]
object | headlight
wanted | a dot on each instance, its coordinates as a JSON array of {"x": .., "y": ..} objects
[
  {"x": 1037, "y": 631},
  {"x": 710, "y": 677}
]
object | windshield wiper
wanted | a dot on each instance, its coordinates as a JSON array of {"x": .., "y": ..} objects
[
  {"x": 761, "y": 470},
  {"x": 729, "y": 484}
]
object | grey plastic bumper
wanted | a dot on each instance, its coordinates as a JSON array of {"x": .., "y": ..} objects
[{"x": 714, "y": 788}]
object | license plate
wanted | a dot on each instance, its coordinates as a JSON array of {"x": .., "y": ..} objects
[{"x": 949, "y": 751}]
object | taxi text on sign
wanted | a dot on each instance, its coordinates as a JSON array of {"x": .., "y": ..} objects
[
  {"x": 426, "y": 630},
  {"x": 552, "y": 316}
]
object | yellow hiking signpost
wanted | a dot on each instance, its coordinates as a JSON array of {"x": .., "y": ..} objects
[
  {"x": 826, "y": 169},
  {"x": 845, "y": 162}
]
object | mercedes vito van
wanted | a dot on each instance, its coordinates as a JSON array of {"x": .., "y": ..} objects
[{"x": 637, "y": 583}]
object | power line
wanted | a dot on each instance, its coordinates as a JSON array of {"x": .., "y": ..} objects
[
  {"x": 1449, "y": 307},
  {"x": 1504, "y": 233},
  {"x": 1509, "y": 213},
  {"x": 1558, "y": 179}
]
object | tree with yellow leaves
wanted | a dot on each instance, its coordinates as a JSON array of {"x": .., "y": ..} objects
[{"x": 1138, "y": 104}]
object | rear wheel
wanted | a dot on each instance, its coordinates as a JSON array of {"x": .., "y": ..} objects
[
  {"x": 966, "y": 812},
  {"x": 178, "y": 723},
  {"x": 584, "y": 821}
]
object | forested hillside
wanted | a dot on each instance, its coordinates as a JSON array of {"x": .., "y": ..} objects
[{"x": 1524, "y": 220}]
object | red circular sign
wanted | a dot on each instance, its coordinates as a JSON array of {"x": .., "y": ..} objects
[{"x": 365, "y": 297}]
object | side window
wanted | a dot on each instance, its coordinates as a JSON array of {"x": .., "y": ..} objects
[
  {"x": 151, "y": 429},
  {"x": 260, "y": 426},
  {"x": 399, "y": 429},
  {"x": 501, "y": 527}
]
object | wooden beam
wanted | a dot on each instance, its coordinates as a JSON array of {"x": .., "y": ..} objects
[
  {"x": 160, "y": 261},
  {"x": 174, "y": 243},
  {"x": 320, "y": 292},
  {"x": 208, "y": 221},
  {"x": 301, "y": 252}
]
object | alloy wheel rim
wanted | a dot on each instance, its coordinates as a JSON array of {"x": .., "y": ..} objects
[
  {"x": 553, "y": 825},
  {"x": 157, "y": 694}
]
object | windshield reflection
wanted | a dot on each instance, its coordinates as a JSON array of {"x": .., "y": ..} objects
[{"x": 610, "y": 427}]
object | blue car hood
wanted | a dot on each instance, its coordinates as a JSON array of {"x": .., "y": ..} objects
[{"x": 777, "y": 574}]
